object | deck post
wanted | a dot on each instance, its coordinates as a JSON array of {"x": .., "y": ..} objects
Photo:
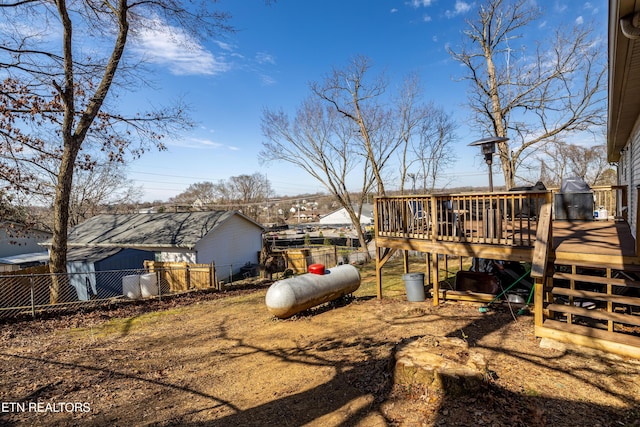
[
  {"x": 378, "y": 273},
  {"x": 376, "y": 230},
  {"x": 427, "y": 267},
  {"x": 434, "y": 279},
  {"x": 405, "y": 260}
]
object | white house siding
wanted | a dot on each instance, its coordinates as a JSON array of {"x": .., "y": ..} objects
[
  {"x": 629, "y": 175},
  {"x": 20, "y": 241},
  {"x": 173, "y": 256},
  {"x": 341, "y": 217},
  {"x": 634, "y": 174},
  {"x": 232, "y": 244}
]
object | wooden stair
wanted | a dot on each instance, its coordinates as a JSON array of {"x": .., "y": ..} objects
[
  {"x": 592, "y": 307},
  {"x": 590, "y": 301}
]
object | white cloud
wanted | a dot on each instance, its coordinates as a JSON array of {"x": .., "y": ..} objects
[
  {"x": 426, "y": 18},
  {"x": 265, "y": 58},
  {"x": 267, "y": 80},
  {"x": 171, "y": 47},
  {"x": 394, "y": 10},
  {"x": 421, "y": 3},
  {"x": 460, "y": 7},
  {"x": 223, "y": 45},
  {"x": 21, "y": 30},
  {"x": 579, "y": 20},
  {"x": 201, "y": 143},
  {"x": 560, "y": 7}
]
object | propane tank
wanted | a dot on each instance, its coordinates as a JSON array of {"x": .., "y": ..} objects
[{"x": 290, "y": 296}]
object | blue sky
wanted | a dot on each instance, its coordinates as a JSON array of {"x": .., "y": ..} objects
[{"x": 277, "y": 50}]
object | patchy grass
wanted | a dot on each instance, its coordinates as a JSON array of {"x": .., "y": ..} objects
[{"x": 221, "y": 359}]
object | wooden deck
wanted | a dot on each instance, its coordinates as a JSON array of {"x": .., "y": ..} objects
[
  {"x": 499, "y": 226},
  {"x": 605, "y": 242},
  {"x": 573, "y": 263}
]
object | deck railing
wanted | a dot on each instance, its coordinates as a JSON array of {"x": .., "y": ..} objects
[{"x": 506, "y": 218}]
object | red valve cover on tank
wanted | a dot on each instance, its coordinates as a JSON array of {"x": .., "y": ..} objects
[{"x": 316, "y": 269}]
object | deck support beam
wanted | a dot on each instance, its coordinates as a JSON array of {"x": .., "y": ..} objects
[{"x": 382, "y": 256}]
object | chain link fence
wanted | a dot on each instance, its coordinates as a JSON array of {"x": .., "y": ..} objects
[{"x": 34, "y": 291}]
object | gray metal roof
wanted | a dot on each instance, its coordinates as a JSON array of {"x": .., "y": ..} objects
[
  {"x": 90, "y": 254},
  {"x": 42, "y": 256},
  {"x": 175, "y": 230}
]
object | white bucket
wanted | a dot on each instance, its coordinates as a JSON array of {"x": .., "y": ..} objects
[
  {"x": 601, "y": 214},
  {"x": 131, "y": 286},
  {"x": 148, "y": 285}
]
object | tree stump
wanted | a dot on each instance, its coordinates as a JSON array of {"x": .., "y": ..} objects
[{"x": 440, "y": 363}]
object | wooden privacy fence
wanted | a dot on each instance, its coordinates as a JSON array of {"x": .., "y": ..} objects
[
  {"x": 182, "y": 276},
  {"x": 298, "y": 260},
  {"x": 21, "y": 286}
]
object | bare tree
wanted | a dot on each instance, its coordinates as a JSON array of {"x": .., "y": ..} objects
[
  {"x": 409, "y": 125},
  {"x": 321, "y": 143},
  {"x": 58, "y": 100},
  {"x": 359, "y": 100},
  {"x": 560, "y": 160},
  {"x": 248, "y": 192},
  {"x": 200, "y": 192},
  {"x": 10, "y": 210},
  {"x": 249, "y": 188},
  {"x": 93, "y": 190},
  {"x": 434, "y": 147},
  {"x": 426, "y": 134},
  {"x": 531, "y": 97},
  {"x": 242, "y": 192}
]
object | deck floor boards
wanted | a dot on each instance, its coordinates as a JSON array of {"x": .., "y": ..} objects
[{"x": 594, "y": 237}]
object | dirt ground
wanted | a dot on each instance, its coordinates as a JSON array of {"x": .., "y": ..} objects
[{"x": 215, "y": 359}]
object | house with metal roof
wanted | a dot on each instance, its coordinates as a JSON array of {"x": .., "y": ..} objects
[
  {"x": 227, "y": 238},
  {"x": 18, "y": 239},
  {"x": 340, "y": 217}
]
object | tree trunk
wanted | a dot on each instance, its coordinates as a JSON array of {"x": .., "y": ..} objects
[
  {"x": 507, "y": 163},
  {"x": 355, "y": 220},
  {"x": 58, "y": 260},
  {"x": 363, "y": 244},
  {"x": 498, "y": 119}
]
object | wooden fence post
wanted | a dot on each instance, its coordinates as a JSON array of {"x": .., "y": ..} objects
[
  {"x": 187, "y": 276},
  {"x": 33, "y": 302}
]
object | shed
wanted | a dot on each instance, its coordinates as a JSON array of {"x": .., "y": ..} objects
[
  {"x": 90, "y": 270},
  {"x": 227, "y": 238},
  {"x": 21, "y": 261}
]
